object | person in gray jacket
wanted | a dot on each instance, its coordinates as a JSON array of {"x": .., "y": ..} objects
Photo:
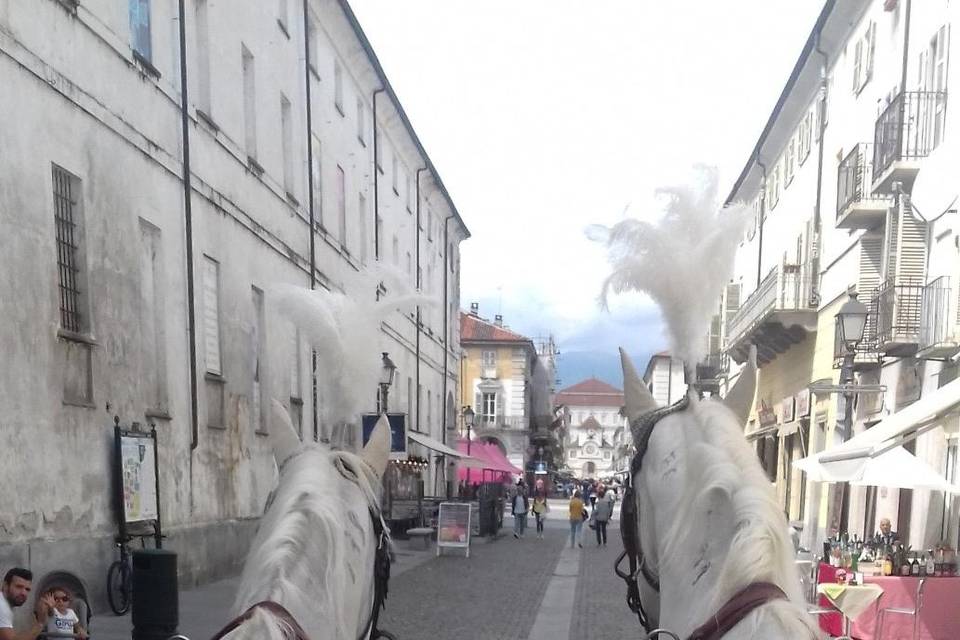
[{"x": 602, "y": 512}]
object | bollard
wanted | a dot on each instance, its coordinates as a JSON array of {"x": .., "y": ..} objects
[{"x": 155, "y": 610}]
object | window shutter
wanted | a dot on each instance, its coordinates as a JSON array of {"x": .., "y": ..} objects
[
  {"x": 871, "y": 44},
  {"x": 477, "y": 403},
  {"x": 211, "y": 316},
  {"x": 871, "y": 251},
  {"x": 912, "y": 248},
  {"x": 857, "y": 65}
]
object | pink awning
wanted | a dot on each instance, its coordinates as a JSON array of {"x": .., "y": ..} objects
[{"x": 493, "y": 461}]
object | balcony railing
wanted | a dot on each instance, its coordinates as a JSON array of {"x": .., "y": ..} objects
[
  {"x": 909, "y": 128},
  {"x": 939, "y": 335},
  {"x": 784, "y": 292},
  {"x": 898, "y": 316},
  {"x": 502, "y": 422},
  {"x": 856, "y": 205}
]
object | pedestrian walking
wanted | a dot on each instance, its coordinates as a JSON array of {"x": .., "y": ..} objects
[
  {"x": 578, "y": 513},
  {"x": 602, "y": 513},
  {"x": 520, "y": 508},
  {"x": 540, "y": 509}
]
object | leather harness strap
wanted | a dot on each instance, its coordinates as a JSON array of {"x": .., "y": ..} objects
[
  {"x": 276, "y": 609},
  {"x": 736, "y": 609}
]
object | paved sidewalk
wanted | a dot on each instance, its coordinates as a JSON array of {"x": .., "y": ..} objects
[{"x": 205, "y": 609}]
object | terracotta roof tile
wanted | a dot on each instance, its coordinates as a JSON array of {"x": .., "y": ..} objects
[
  {"x": 590, "y": 393},
  {"x": 475, "y": 329}
]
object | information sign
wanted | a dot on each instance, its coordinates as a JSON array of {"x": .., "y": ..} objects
[
  {"x": 398, "y": 432},
  {"x": 453, "y": 526},
  {"x": 138, "y": 471}
]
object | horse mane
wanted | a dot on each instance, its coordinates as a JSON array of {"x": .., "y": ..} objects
[
  {"x": 759, "y": 550},
  {"x": 301, "y": 555}
]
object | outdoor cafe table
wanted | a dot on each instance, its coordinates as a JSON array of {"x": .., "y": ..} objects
[
  {"x": 850, "y": 600},
  {"x": 939, "y": 617}
]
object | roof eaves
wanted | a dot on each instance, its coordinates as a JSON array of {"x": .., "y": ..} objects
[
  {"x": 375, "y": 62},
  {"x": 805, "y": 54}
]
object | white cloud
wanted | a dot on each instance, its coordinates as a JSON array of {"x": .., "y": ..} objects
[{"x": 546, "y": 116}]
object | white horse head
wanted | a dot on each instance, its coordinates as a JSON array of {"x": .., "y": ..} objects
[
  {"x": 710, "y": 524},
  {"x": 315, "y": 549}
]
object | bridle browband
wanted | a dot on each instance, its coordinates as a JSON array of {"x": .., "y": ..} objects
[{"x": 735, "y": 609}]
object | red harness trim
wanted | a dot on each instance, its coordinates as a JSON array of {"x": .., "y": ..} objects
[
  {"x": 274, "y": 608},
  {"x": 736, "y": 609}
]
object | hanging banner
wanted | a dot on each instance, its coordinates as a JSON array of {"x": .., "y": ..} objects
[
  {"x": 453, "y": 526},
  {"x": 398, "y": 432}
]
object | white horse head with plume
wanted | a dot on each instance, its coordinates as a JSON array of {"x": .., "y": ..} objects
[
  {"x": 315, "y": 551},
  {"x": 709, "y": 525}
]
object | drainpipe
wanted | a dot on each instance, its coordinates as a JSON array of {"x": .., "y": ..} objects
[
  {"x": 188, "y": 224},
  {"x": 446, "y": 319},
  {"x": 376, "y": 180},
  {"x": 310, "y": 208},
  {"x": 417, "y": 235},
  {"x": 446, "y": 346},
  {"x": 817, "y": 218},
  {"x": 762, "y": 217}
]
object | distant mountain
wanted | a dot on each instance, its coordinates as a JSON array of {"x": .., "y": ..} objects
[{"x": 575, "y": 366}]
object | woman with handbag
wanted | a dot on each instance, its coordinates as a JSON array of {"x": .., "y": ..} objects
[
  {"x": 578, "y": 513},
  {"x": 539, "y": 507}
]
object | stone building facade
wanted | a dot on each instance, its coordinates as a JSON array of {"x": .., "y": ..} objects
[{"x": 304, "y": 169}]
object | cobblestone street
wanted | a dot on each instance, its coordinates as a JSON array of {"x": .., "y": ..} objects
[{"x": 508, "y": 589}]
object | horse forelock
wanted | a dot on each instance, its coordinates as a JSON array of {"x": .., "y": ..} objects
[
  {"x": 722, "y": 466},
  {"x": 315, "y": 546}
]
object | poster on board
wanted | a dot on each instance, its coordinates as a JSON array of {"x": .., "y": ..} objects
[
  {"x": 138, "y": 477},
  {"x": 453, "y": 526}
]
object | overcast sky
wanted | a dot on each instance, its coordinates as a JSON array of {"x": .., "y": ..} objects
[{"x": 545, "y": 116}]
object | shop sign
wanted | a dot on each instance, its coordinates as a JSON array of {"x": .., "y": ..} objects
[
  {"x": 398, "y": 432},
  {"x": 786, "y": 409},
  {"x": 802, "y": 401},
  {"x": 453, "y": 526},
  {"x": 766, "y": 415},
  {"x": 909, "y": 382}
]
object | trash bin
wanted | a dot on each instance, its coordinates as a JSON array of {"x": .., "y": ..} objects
[{"x": 155, "y": 602}]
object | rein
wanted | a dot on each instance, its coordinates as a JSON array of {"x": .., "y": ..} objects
[{"x": 730, "y": 614}]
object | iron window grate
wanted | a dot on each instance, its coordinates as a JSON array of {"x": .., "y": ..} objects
[{"x": 64, "y": 203}]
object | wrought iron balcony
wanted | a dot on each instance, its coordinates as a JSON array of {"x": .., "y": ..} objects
[
  {"x": 939, "y": 321},
  {"x": 898, "y": 317},
  {"x": 866, "y": 355},
  {"x": 909, "y": 128},
  {"x": 777, "y": 315},
  {"x": 857, "y": 207},
  {"x": 500, "y": 421},
  {"x": 488, "y": 371}
]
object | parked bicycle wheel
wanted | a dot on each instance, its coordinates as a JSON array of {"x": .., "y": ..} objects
[{"x": 119, "y": 586}]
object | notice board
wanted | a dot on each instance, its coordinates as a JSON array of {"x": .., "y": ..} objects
[{"x": 453, "y": 526}]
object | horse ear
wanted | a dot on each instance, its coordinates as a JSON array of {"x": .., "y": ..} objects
[
  {"x": 376, "y": 453},
  {"x": 740, "y": 398},
  {"x": 284, "y": 437},
  {"x": 638, "y": 398}
]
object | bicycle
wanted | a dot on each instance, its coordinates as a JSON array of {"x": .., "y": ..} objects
[{"x": 120, "y": 578}]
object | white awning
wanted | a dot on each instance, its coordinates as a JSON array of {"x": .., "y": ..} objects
[
  {"x": 875, "y": 456},
  {"x": 439, "y": 447},
  {"x": 894, "y": 468},
  {"x": 924, "y": 413}
]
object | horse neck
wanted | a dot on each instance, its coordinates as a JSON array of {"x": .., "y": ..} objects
[
  {"x": 314, "y": 553},
  {"x": 711, "y": 521}
]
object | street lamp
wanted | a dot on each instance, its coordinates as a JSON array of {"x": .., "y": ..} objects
[
  {"x": 468, "y": 416},
  {"x": 851, "y": 323},
  {"x": 387, "y": 376}
]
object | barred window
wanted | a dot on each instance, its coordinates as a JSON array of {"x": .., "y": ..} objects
[{"x": 66, "y": 190}]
